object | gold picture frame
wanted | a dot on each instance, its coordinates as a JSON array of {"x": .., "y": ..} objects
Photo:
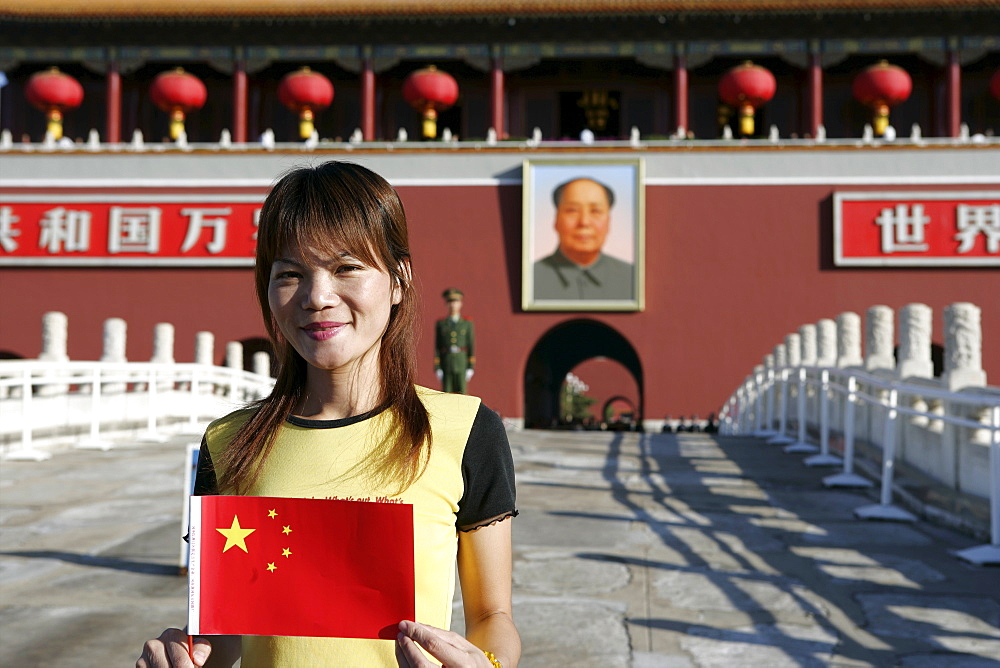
[{"x": 583, "y": 235}]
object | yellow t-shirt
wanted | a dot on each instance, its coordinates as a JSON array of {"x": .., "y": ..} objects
[{"x": 468, "y": 480}]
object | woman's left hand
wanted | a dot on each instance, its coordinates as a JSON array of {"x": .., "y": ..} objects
[{"x": 448, "y": 647}]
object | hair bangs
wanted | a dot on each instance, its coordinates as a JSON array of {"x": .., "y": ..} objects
[{"x": 320, "y": 211}]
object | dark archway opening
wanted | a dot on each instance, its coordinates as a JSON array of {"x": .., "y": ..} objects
[
  {"x": 557, "y": 352},
  {"x": 617, "y": 407}
]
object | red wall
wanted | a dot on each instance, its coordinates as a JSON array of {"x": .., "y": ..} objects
[{"x": 729, "y": 271}]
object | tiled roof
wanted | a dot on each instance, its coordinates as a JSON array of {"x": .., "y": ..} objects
[{"x": 124, "y": 9}]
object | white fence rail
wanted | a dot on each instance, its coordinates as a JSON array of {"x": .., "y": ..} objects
[
  {"x": 950, "y": 436},
  {"x": 45, "y": 403}
]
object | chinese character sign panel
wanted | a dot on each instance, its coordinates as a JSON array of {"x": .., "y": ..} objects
[
  {"x": 917, "y": 229},
  {"x": 136, "y": 230}
]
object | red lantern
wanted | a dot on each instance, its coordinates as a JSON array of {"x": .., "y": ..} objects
[
  {"x": 53, "y": 92},
  {"x": 882, "y": 86},
  {"x": 305, "y": 92},
  {"x": 177, "y": 92},
  {"x": 995, "y": 85},
  {"x": 747, "y": 87},
  {"x": 430, "y": 91}
]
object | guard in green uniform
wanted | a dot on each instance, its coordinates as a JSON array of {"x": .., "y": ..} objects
[{"x": 454, "y": 345}]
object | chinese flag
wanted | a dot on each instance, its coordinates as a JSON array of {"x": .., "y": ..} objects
[{"x": 299, "y": 567}]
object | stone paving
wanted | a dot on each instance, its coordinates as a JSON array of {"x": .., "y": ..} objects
[{"x": 631, "y": 550}]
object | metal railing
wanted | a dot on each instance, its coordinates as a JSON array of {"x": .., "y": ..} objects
[
  {"x": 946, "y": 437},
  {"x": 527, "y": 143},
  {"x": 43, "y": 402}
]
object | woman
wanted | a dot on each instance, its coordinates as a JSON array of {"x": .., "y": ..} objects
[{"x": 345, "y": 419}]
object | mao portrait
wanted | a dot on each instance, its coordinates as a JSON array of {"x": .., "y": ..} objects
[{"x": 583, "y": 236}]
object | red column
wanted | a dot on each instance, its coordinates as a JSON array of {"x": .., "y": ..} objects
[
  {"x": 681, "y": 92},
  {"x": 953, "y": 102},
  {"x": 815, "y": 94},
  {"x": 113, "y": 124},
  {"x": 240, "y": 101},
  {"x": 497, "y": 98},
  {"x": 367, "y": 100}
]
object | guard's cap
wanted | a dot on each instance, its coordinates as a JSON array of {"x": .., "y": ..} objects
[{"x": 452, "y": 294}]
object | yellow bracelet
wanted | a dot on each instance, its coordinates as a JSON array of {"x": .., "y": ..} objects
[{"x": 495, "y": 661}]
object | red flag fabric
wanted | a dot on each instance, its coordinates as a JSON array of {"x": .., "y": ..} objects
[{"x": 299, "y": 567}]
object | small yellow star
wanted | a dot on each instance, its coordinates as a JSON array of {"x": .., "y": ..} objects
[
  {"x": 236, "y": 535},
  {"x": 272, "y": 513},
  {"x": 287, "y": 530},
  {"x": 271, "y": 567},
  {"x": 286, "y": 552}
]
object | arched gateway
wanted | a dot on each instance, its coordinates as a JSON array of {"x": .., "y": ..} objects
[{"x": 558, "y": 351}]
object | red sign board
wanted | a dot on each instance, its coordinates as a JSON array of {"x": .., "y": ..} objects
[
  {"x": 129, "y": 230},
  {"x": 949, "y": 229}
]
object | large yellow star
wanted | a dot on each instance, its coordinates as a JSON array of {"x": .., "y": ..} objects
[{"x": 236, "y": 535}]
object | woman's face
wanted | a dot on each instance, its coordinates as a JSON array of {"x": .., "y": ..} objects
[{"x": 330, "y": 306}]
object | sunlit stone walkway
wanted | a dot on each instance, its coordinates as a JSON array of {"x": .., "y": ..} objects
[
  {"x": 631, "y": 550},
  {"x": 699, "y": 550}
]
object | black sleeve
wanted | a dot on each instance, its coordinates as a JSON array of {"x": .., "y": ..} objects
[
  {"x": 488, "y": 474},
  {"x": 205, "y": 483}
]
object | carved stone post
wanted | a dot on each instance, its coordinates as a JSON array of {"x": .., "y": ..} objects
[
  {"x": 769, "y": 378},
  {"x": 915, "y": 354},
  {"x": 780, "y": 355},
  {"x": 963, "y": 367},
  {"x": 879, "y": 339},
  {"x": 915, "y": 342},
  {"x": 204, "y": 353},
  {"x": 781, "y": 364},
  {"x": 849, "y": 357},
  {"x": 826, "y": 356},
  {"x": 793, "y": 348},
  {"x": 234, "y": 361},
  {"x": 262, "y": 363},
  {"x": 826, "y": 343},
  {"x": 115, "y": 332},
  {"x": 234, "y": 355},
  {"x": 807, "y": 334},
  {"x": 163, "y": 353},
  {"x": 204, "y": 348},
  {"x": 849, "y": 340},
  {"x": 55, "y": 330},
  {"x": 163, "y": 343},
  {"x": 760, "y": 376},
  {"x": 963, "y": 347}
]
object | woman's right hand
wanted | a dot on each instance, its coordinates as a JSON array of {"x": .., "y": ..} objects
[{"x": 171, "y": 650}]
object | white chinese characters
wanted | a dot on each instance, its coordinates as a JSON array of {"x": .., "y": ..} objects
[
  {"x": 972, "y": 221},
  {"x": 903, "y": 229},
  {"x": 198, "y": 219},
  {"x": 65, "y": 230},
  {"x": 7, "y": 231},
  {"x": 134, "y": 230}
]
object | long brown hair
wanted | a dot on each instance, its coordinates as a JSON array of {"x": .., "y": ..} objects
[{"x": 316, "y": 207}]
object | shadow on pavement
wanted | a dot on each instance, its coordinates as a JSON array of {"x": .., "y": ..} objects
[{"x": 113, "y": 563}]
